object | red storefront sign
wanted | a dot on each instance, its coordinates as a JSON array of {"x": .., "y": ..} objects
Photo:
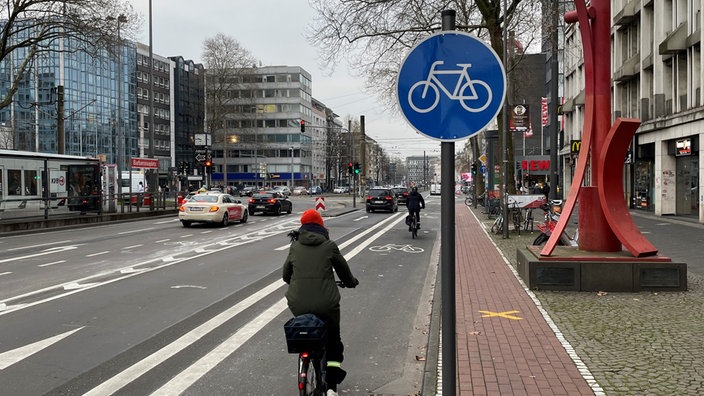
[{"x": 148, "y": 163}]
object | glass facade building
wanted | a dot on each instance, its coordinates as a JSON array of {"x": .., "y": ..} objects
[{"x": 92, "y": 108}]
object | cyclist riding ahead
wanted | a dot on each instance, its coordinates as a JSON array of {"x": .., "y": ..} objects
[
  {"x": 308, "y": 270},
  {"x": 415, "y": 203}
]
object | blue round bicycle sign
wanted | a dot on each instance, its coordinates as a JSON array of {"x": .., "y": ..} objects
[{"x": 451, "y": 86}]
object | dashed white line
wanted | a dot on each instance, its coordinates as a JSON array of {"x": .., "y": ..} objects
[
  {"x": 162, "y": 240},
  {"x": 98, "y": 253},
  {"x": 5, "y": 273},
  {"x": 133, "y": 246},
  {"x": 52, "y": 263}
]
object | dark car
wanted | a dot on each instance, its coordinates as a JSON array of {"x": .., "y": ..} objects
[
  {"x": 382, "y": 199},
  {"x": 401, "y": 194},
  {"x": 247, "y": 191},
  {"x": 269, "y": 202}
]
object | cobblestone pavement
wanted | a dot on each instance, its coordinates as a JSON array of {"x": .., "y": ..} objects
[{"x": 645, "y": 343}]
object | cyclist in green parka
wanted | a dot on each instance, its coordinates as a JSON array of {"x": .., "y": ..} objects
[{"x": 308, "y": 270}]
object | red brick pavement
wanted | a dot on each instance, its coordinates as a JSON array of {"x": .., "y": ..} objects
[{"x": 503, "y": 355}]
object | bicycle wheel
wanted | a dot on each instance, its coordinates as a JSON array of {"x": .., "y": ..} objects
[
  {"x": 497, "y": 227},
  {"x": 468, "y": 201},
  {"x": 414, "y": 227},
  {"x": 310, "y": 378}
]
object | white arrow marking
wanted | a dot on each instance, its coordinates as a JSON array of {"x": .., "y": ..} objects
[{"x": 9, "y": 358}]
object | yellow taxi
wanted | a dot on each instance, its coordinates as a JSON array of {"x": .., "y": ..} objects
[{"x": 212, "y": 207}]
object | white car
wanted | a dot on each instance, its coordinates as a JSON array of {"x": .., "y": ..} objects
[
  {"x": 341, "y": 190},
  {"x": 284, "y": 190},
  {"x": 212, "y": 207}
]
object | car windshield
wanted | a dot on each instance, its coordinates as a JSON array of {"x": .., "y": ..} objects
[
  {"x": 205, "y": 198},
  {"x": 265, "y": 195},
  {"x": 400, "y": 190}
]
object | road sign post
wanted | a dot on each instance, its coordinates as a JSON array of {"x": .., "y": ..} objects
[{"x": 450, "y": 87}]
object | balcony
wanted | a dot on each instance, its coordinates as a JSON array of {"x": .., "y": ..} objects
[
  {"x": 628, "y": 70},
  {"x": 675, "y": 42},
  {"x": 628, "y": 14}
]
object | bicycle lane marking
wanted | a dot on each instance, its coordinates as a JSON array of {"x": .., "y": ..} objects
[{"x": 181, "y": 381}]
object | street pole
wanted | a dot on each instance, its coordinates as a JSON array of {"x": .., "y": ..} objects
[
  {"x": 291, "y": 148},
  {"x": 447, "y": 251}
]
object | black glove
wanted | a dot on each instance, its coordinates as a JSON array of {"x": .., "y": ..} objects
[{"x": 356, "y": 282}]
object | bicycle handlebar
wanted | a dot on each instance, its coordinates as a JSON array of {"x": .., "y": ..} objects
[{"x": 342, "y": 285}]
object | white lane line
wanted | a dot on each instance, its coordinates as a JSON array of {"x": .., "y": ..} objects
[
  {"x": 135, "y": 371},
  {"x": 135, "y": 231},
  {"x": 166, "y": 221},
  {"x": 38, "y": 245},
  {"x": 52, "y": 263},
  {"x": 162, "y": 240},
  {"x": 43, "y": 253},
  {"x": 98, "y": 253},
  {"x": 185, "y": 378},
  {"x": 5, "y": 273},
  {"x": 132, "y": 247}
]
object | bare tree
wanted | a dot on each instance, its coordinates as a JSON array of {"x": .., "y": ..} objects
[
  {"x": 226, "y": 62},
  {"x": 375, "y": 37},
  {"x": 31, "y": 28}
]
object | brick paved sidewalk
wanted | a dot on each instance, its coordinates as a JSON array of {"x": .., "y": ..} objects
[{"x": 505, "y": 346}]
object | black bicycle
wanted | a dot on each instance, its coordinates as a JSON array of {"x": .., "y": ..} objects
[
  {"x": 413, "y": 226},
  {"x": 307, "y": 335}
]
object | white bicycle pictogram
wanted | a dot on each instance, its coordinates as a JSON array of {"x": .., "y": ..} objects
[
  {"x": 403, "y": 248},
  {"x": 465, "y": 91}
]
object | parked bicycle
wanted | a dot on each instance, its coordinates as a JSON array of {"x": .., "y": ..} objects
[{"x": 552, "y": 210}]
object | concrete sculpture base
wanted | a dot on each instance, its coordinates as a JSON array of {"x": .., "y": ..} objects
[{"x": 571, "y": 269}]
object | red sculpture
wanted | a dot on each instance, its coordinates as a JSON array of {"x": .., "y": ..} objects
[{"x": 605, "y": 224}]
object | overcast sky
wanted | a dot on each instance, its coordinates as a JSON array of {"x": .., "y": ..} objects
[{"x": 273, "y": 30}]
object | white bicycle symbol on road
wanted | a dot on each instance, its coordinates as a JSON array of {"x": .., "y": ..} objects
[
  {"x": 404, "y": 248},
  {"x": 465, "y": 91}
]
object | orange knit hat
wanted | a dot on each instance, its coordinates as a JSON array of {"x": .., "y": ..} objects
[{"x": 312, "y": 216}]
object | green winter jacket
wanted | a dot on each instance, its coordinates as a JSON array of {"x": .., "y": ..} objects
[{"x": 309, "y": 272}]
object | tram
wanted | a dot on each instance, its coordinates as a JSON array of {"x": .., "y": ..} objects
[{"x": 35, "y": 184}]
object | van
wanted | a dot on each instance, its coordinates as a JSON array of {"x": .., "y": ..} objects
[
  {"x": 136, "y": 179},
  {"x": 435, "y": 189}
]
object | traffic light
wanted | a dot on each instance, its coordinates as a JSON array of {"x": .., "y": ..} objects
[
  {"x": 208, "y": 163},
  {"x": 350, "y": 168},
  {"x": 474, "y": 169},
  {"x": 303, "y": 125},
  {"x": 356, "y": 168}
]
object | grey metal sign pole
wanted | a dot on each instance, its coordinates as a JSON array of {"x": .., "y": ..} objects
[{"x": 447, "y": 250}]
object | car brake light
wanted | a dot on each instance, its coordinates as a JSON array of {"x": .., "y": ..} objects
[
  {"x": 388, "y": 198},
  {"x": 214, "y": 208},
  {"x": 251, "y": 200},
  {"x": 271, "y": 200},
  {"x": 405, "y": 194},
  {"x": 369, "y": 197},
  {"x": 181, "y": 208}
]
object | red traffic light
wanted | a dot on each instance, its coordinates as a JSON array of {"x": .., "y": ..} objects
[
  {"x": 208, "y": 163},
  {"x": 303, "y": 125}
]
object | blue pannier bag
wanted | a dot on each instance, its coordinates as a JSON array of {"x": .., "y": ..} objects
[{"x": 305, "y": 333}]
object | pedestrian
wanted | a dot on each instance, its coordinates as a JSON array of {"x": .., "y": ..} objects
[
  {"x": 546, "y": 190},
  {"x": 310, "y": 268}
]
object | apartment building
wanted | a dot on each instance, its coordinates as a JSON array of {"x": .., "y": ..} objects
[
  {"x": 260, "y": 141},
  {"x": 656, "y": 77},
  {"x": 156, "y": 95}
]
